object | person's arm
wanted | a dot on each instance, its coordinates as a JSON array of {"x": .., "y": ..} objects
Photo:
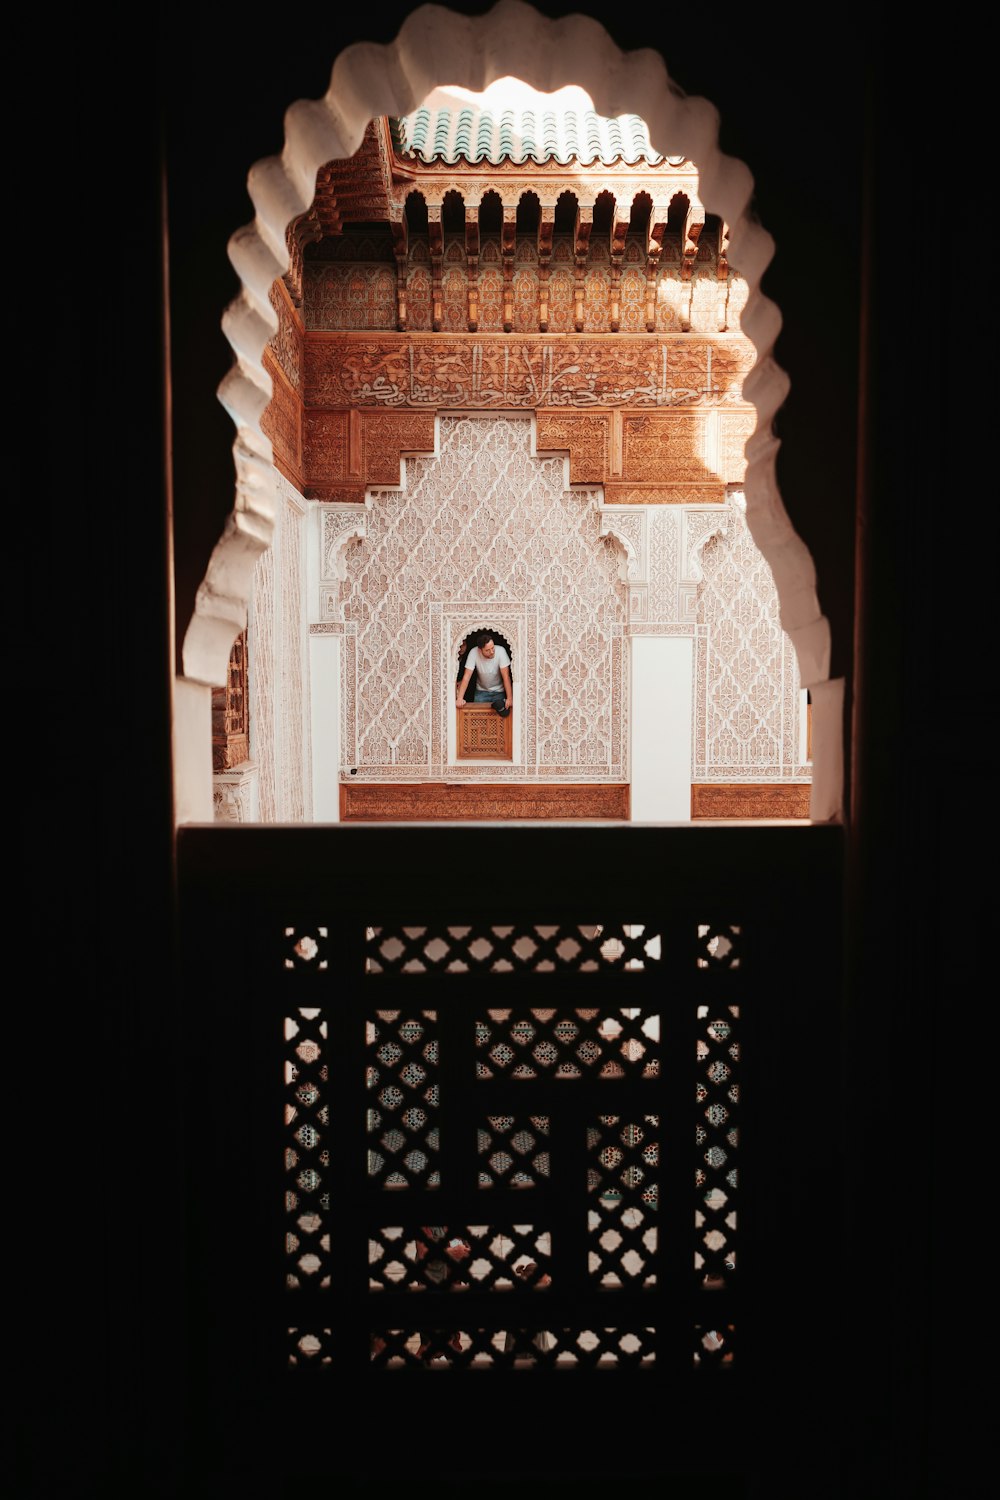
[
  {"x": 505, "y": 677},
  {"x": 460, "y": 694}
]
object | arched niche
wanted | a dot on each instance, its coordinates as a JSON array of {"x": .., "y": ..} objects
[{"x": 434, "y": 46}]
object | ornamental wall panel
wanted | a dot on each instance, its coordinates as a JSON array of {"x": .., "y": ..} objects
[
  {"x": 526, "y": 371},
  {"x": 349, "y": 296},
  {"x": 488, "y": 529},
  {"x": 325, "y": 446},
  {"x": 281, "y": 421},
  {"x": 277, "y": 639},
  {"x": 285, "y": 346},
  {"x": 748, "y": 702}
]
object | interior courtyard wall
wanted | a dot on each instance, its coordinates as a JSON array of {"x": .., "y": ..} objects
[{"x": 486, "y": 535}]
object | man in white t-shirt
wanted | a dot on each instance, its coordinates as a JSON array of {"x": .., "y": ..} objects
[{"x": 491, "y": 665}]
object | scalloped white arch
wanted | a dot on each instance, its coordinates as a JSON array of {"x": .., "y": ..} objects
[{"x": 436, "y": 46}]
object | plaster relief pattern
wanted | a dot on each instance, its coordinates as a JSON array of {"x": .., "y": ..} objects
[
  {"x": 261, "y": 674},
  {"x": 664, "y": 564},
  {"x": 484, "y": 525},
  {"x": 747, "y": 703}
]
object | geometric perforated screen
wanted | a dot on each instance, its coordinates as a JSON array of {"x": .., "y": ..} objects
[{"x": 542, "y": 1125}]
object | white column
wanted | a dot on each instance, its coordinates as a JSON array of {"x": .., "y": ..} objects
[
  {"x": 324, "y": 706},
  {"x": 662, "y": 687}
]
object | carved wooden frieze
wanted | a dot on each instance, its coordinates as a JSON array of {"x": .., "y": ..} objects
[
  {"x": 788, "y": 800},
  {"x": 482, "y": 802},
  {"x": 525, "y": 372},
  {"x": 665, "y": 494}
]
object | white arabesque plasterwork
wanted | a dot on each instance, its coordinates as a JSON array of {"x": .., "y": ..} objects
[
  {"x": 485, "y": 533},
  {"x": 747, "y": 690}
]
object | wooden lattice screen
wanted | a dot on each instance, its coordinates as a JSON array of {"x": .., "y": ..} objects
[{"x": 496, "y": 1105}]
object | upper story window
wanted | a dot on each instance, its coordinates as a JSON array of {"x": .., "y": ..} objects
[{"x": 484, "y": 698}]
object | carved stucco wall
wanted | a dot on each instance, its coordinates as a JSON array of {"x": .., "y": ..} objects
[
  {"x": 484, "y": 535},
  {"x": 748, "y": 698},
  {"x": 278, "y": 669}
]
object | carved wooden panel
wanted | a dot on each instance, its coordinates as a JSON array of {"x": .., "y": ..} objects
[
  {"x": 426, "y": 801},
  {"x": 482, "y": 734},
  {"x": 387, "y": 435},
  {"x": 524, "y": 371},
  {"x": 665, "y": 494},
  {"x": 325, "y": 445},
  {"x": 666, "y": 446},
  {"x": 281, "y": 421},
  {"x": 745, "y": 801},
  {"x": 586, "y": 438}
]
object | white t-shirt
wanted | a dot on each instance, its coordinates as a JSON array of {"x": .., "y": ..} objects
[{"x": 488, "y": 671}]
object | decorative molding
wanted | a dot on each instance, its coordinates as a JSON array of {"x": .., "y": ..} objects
[{"x": 480, "y": 802}]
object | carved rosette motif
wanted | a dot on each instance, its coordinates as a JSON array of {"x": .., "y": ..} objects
[{"x": 232, "y": 798}]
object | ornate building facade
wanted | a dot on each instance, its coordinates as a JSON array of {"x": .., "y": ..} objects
[{"x": 507, "y": 375}]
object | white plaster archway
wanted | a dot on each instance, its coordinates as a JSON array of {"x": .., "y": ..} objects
[{"x": 435, "y": 46}]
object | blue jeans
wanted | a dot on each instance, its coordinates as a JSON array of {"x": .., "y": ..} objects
[{"x": 484, "y": 695}]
